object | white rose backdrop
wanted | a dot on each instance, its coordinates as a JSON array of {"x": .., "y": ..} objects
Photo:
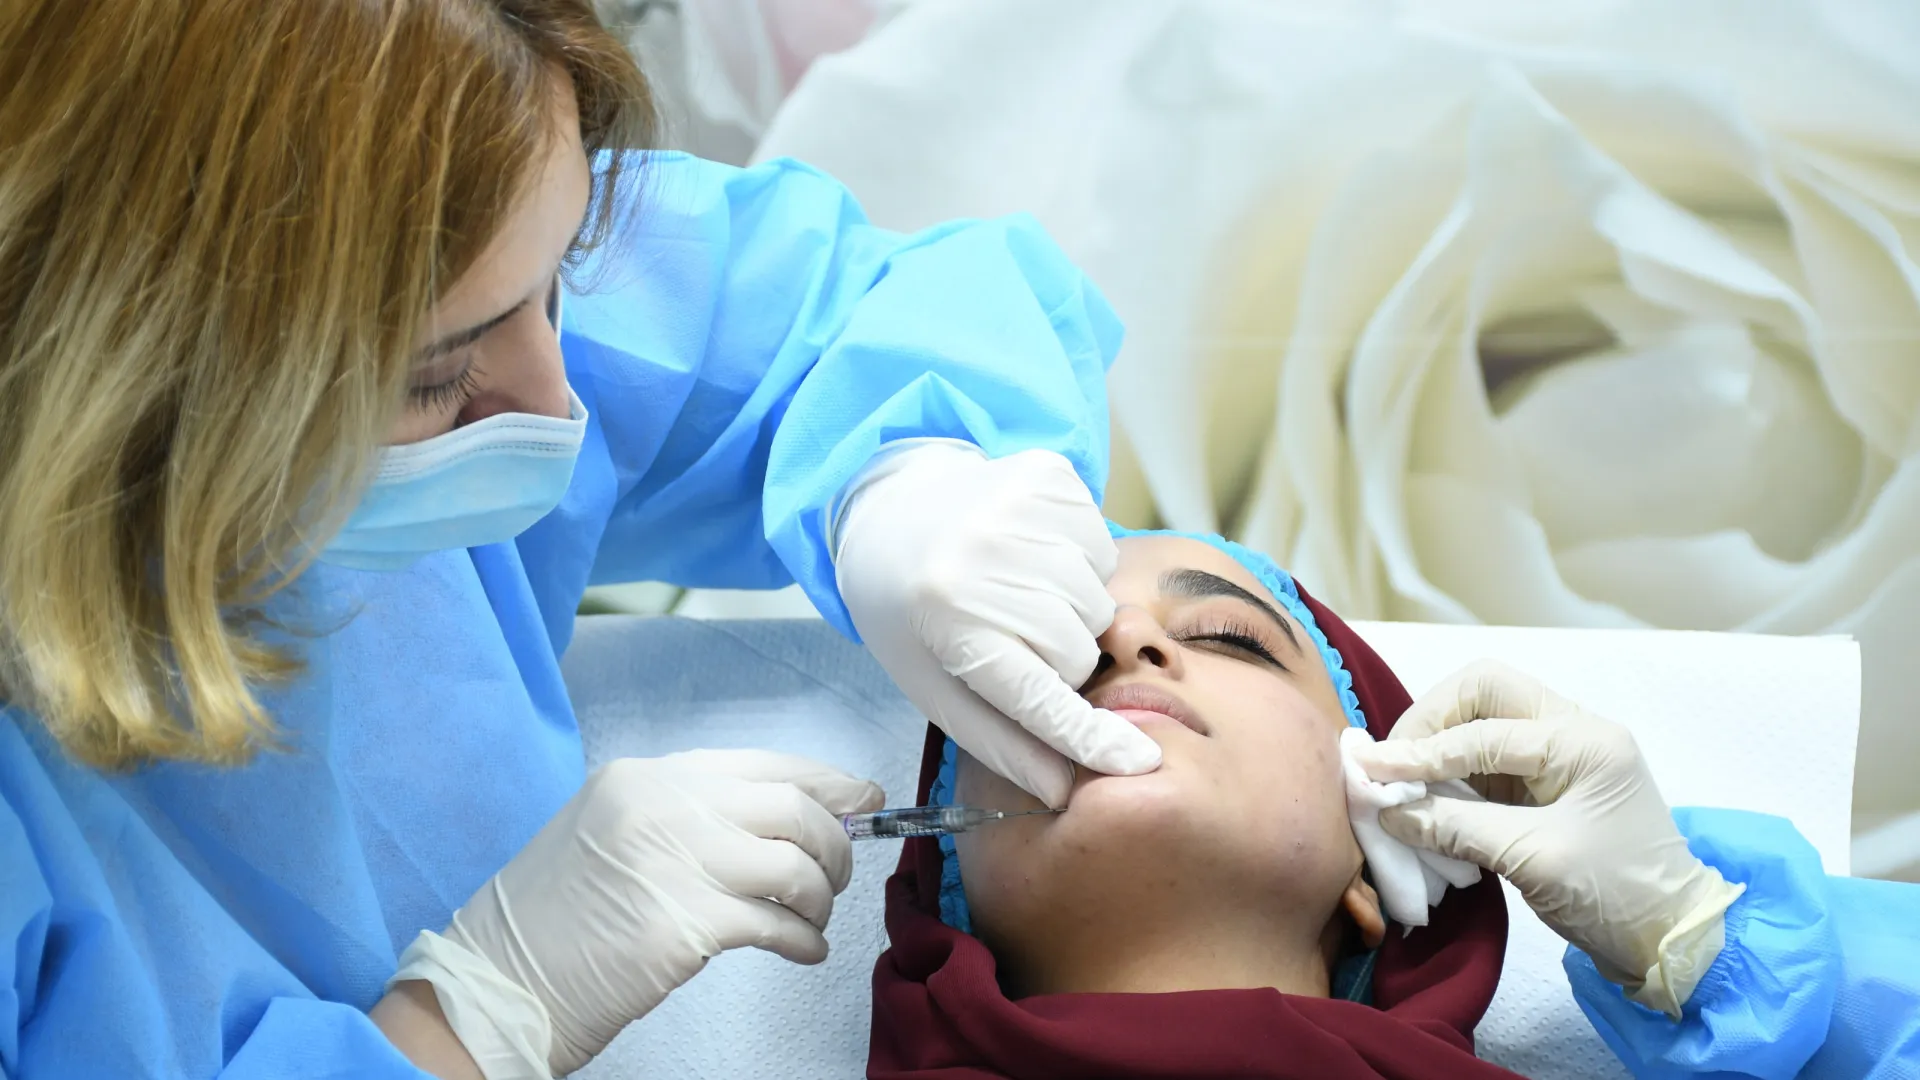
[{"x": 1607, "y": 315}]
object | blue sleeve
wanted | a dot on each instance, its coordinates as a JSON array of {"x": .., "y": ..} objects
[
  {"x": 26, "y": 908},
  {"x": 1819, "y": 978},
  {"x": 750, "y": 342},
  {"x": 90, "y": 987},
  {"x": 306, "y": 1039}
]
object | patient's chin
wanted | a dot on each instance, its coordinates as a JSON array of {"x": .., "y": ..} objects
[
  {"x": 1124, "y": 846},
  {"x": 1120, "y": 811},
  {"x": 1281, "y": 834}
]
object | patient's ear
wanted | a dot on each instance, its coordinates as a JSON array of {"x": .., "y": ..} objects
[{"x": 1363, "y": 907}]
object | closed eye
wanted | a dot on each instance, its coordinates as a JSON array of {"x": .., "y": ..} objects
[
  {"x": 442, "y": 396},
  {"x": 1236, "y": 638}
]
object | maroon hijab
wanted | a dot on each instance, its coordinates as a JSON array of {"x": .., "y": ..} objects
[{"x": 938, "y": 1011}]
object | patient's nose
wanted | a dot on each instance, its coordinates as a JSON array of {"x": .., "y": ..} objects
[{"x": 1135, "y": 642}]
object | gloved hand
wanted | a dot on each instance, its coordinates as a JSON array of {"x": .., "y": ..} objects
[
  {"x": 1575, "y": 821},
  {"x": 654, "y": 867},
  {"x": 980, "y": 586}
]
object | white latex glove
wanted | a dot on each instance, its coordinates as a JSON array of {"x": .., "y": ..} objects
[
  {"x": 980, "y": 586},
  {"x": 656, "y": 866},
  {"x": 1575, "y": 821}
]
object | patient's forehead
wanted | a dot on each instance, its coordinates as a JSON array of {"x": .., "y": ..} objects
[{"x": 1143, "y": 559}]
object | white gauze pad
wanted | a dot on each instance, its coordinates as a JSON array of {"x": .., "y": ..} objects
[{"x": 1409, "y": 880}]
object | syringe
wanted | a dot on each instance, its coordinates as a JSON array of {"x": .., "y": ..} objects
[{"x": 924, "y": 821}]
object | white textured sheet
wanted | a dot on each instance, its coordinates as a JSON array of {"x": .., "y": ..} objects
[{"x": 1753, "y": 722}]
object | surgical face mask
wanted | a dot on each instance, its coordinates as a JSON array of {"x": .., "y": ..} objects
[{"x": 484, "y": 483}]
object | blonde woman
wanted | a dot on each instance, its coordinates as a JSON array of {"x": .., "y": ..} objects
[{"x": 302, "y": 474}]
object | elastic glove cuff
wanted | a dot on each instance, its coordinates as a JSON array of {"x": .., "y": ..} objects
[
  {"x": 504, "y": 1027},
  {"x": 1687, "y": 951},
  {"x": 890, "y": 459}
]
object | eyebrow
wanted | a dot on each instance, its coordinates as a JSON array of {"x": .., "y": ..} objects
[
  {"x": 460, "y": 339},
  {"x": 1199, "y": 585}
]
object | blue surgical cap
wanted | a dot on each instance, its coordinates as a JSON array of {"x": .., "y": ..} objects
[{"x": 953, "y": 898}]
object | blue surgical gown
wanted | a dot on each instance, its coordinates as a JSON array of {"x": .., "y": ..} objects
[
  {"x": 743, "y": 347},
  {"x": 1819, "y": 979}
]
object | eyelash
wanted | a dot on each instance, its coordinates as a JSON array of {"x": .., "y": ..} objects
[
  {"x": 457, "y": 390},
  {"x": 1237, "y": 635}
]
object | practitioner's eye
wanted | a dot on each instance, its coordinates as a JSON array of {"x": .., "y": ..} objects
[{"x": 441, "y": 396}]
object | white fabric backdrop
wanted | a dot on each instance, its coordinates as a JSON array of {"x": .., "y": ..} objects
[{"x": 1600, "y": 313}]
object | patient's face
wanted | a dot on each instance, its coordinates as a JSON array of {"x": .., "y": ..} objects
[{"x": 1249, "y": 798}]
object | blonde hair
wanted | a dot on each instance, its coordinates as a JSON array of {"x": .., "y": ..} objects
[{"x": 221, "y": 224}]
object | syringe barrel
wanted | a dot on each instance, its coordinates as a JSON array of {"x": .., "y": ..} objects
[{"x": 910, "y": 821}]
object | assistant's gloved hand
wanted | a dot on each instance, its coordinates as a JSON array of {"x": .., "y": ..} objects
[
  {"x": 980, "y": 585},
  {"x": 653, "y": 868},
  {"x": 1575, "y": 821}
]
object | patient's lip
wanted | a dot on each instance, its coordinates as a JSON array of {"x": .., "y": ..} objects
[{"x": 1145, "y": 697}]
